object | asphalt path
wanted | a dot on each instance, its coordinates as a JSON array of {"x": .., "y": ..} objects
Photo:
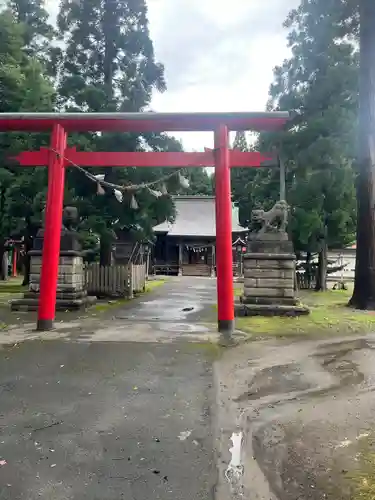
[{"x": 104, "y": 417}]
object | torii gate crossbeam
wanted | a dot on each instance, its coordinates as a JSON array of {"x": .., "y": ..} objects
[{"x": 60, "y": 124}]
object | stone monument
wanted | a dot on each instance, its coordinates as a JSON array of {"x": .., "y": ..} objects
[
  {"x": 71, "y": 286},
  {"x": 269, "y": 266}
]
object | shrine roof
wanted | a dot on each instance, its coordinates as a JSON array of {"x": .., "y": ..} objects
[{"x": 195, "y": 216}]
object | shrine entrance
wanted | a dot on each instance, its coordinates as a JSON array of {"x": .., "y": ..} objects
[{"x": 58, "y": 157}]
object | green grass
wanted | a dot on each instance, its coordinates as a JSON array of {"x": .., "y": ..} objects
[
  {"x": 12, "y": 285},
  {"x": 11, "y": 289},
  {"x": 362, "y": 480},
  {"x": 329, "y": 316},
  {"x": 151, "y": 285},
  {"x": 104, "y": 305}
]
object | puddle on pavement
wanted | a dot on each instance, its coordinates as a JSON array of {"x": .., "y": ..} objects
[
  {"x": 163, "y": 310},
  {"x": 183, "y": 328},
  {"x": 337, "y": 358},
  {"x": 279, "y": 379},
  {"x": 338, "y": 349},
  {"x": 306, "y": 447},
  {"x": 291, "y": 459},
  {"x": 329, "y": 369}
]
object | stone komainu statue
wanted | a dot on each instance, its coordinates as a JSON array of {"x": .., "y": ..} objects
[
  {"x": 273, "y": 220},
  {"x": 70, "y": 218}
]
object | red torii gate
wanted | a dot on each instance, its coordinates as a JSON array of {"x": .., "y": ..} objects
[{"x": 222, "y": 158}]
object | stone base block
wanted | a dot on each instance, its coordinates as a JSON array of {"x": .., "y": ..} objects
[
  {"x": 270, "y": 300},
  {"x": 279, "y": 262},
  {"x": 31, "y": 303},
  {"x": 269, "y": 269},
  {"x": 65, "y": 295},
  {"x": 242, "y": 310},
  {"x": 274, "y": 293},
  {"x": 266, "y": 273}
]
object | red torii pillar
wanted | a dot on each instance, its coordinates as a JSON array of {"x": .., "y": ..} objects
[
  {"x": 57, "y": 156},
  {"x": 52, "y": 230},
  {"x": 224, "y": 255},
  {"x": 14, "y": 261}
]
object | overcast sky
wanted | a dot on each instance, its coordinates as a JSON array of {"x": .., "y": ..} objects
[{"x": 218, "y": 54}]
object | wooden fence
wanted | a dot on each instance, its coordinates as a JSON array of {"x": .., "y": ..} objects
[
  {"x": 305, "y": 283},
  {"x": 115, "y": 281},
  {"x": 138, "y": 277}
]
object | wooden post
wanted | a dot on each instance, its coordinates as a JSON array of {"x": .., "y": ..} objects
[
  {"x": 282, "y": 179},
  {"x": 212, "y": 261},
  {"x": 14, "y": 262},
  {"x": 180, "y": 259}
]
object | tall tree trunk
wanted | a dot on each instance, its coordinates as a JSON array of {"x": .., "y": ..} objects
[
  {"x": 321, "y": 275},
  {"x": 110, "y": 50},
  {"x": 308, "y": 270},
  {"x": 364, "y": 283},
  {"x": 26, "y": 261},
  {"x": 4, "y": 275},
  {"x": 105, "y": 251}
]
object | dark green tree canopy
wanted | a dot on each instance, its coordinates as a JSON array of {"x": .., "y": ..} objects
[
  {"x": 318, "y": 84},
  {"x": 109, "y": 61}
]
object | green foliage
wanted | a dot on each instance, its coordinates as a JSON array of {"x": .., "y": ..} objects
[
  {"x": 33, "y": 18},
  {"x": 318, "y": 84},
  {"x": 200, "y": 182},
  {"x": 243, "y": 183},
  {"x": 23, "y": 87},
  {"x": 109, "y": 65},
  {"x": 109, "y": 61}
]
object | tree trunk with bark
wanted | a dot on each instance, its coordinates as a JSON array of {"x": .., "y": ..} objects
[
  {"x": 105, "y": 251},
  {"x": 321, "y": 275},
  {"x": 4, "y": 275},
  {"x": 26, "y": 261},
  {"x": 308, "y": 272},
  {"x": 364, "y": 283}
]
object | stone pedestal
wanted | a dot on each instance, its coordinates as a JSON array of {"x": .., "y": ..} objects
[
  {"x": 269, "y": 267},
  {"x": 71, "y": 285}
]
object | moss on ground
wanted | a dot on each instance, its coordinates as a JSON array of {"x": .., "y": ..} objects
[
  {"x": 329, "y": 316},
  {"x": 152, "y": 284},
  {"x": 361, "y": 481},
  {"x": 212, "y": 350},
  {"x": 11, "y": 289}
]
